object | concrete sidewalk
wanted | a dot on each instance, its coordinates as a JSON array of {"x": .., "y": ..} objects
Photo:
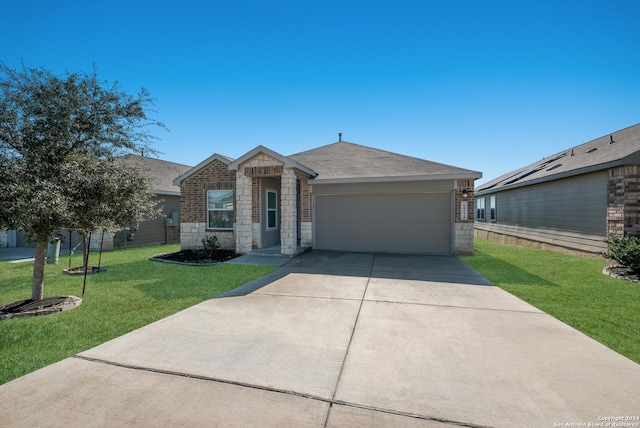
[
  {"x": 24, "y": 254},
  {"x": 339, "y": 340},
  {"x": 17, "y": 254}
]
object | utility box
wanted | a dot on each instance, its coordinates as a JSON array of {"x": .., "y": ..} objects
[{"x": 53, "y": 251}]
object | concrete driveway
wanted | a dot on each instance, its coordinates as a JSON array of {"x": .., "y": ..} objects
[{"x": 340, "y": 340}]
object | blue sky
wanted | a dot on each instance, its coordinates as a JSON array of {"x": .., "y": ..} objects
[{"x": 490, "y": 86}]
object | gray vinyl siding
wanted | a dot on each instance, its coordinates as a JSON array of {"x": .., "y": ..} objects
[
  {"x": 154, "y": 231},
  {"x": 569, "y": 213},
  {"x": 576, "y": 204}
]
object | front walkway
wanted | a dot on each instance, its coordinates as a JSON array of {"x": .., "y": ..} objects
[{"x": 339, "y": 340}]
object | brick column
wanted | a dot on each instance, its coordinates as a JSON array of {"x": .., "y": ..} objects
[
  {"x": 463, "y": 237},
  {"x": 243, "y": 228},
  {"x": 288, "y": 229},
  {"x": 623, "y": 204},
  {"x": 306, "y": 226}
]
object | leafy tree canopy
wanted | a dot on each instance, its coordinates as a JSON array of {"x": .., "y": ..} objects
[{"x": 60, "y": 137}]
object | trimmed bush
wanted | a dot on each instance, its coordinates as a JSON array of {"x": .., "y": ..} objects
[
  {"x": 625, "y": 250},
  {"x": 210, "y": 244}
]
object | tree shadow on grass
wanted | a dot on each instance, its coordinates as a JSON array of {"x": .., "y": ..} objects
[{"x": 164, "y": 281}]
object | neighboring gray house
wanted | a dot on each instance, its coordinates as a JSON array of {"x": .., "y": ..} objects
[
  {"x": 165, "y": 229},
  {"x": 341, "y": 196},
  {"x": 572, "y": 200}
]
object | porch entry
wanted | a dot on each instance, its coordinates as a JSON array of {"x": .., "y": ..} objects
[{"x": 271, "y": 206}]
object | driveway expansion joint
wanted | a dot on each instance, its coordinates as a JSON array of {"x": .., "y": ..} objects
[
  {"x": 409, "y": 415},
  {"x": 330, "y": 402},
  {"x": 200, "y": 377},
  {"x": 304, "y": 296},
  {"x": 392, "y": 302}
]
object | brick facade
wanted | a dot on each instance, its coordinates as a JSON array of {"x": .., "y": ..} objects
[
  {"x": 623, "y": 203},
  {"x": 306, "y": 225},
  {"x": 193, "y": 190},
  {"x": 247, "y": 179},
  {"x": 256, "y": 183},
  {"x": 193, "y": 202},
  {"x": 305, "y": 196}
]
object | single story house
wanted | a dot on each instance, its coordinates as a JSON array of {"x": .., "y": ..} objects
[
  {"x": 341, "y": 196},
  {"x": 572, "y": 200}
]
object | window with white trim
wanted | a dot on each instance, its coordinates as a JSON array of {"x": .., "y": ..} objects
[
  {"x": 272, "y": 209},
  {"x": 220, "y": 209},
  {"x": 480, "y": 209}
]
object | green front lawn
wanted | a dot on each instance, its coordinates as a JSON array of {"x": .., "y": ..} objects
[
  {"x": 132, "y": 293},
  {"x": 568, "y": 287}
]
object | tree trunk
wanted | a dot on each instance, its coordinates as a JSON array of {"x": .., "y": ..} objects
[{"x": 37, "y": 287}]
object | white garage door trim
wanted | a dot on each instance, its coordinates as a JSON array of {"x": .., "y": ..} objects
[{"x": 398, "y": 222}]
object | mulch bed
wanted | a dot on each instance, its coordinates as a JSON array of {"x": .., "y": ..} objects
[
  {"x": 196, "y": 257},
  {"x": 621, "y": 273},
  {"x": 80, "y": 270},
  {"x": 31, "y": 308}
]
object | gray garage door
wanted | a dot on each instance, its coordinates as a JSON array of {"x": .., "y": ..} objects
[{"x": 404, "y": 222}]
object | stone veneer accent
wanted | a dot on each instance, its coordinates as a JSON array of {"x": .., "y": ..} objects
[
  {"x": 306, "y": 234},
  {"x": 256, "y": 239},
  {"x": 463, "y": 238},
  {"x": 192, "y": 234},
  {"x": 248, "y": 214},
  {"x": 243, "y": 224},
  {"x": 288, "y": 213},
  {"x": 623, "y": 204}
]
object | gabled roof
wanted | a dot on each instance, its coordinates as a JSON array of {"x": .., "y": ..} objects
[
  {"x": 343, "y": 162},
  {"x": 224, "y": 159},
  {"x": 620, "y": 148},
  {"x": 287, "y": 161},
  {"x": 160, "y": 172}
]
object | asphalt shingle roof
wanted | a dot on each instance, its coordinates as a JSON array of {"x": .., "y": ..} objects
[
  {"x": 344, "y": 161},
  {"x": 160, "y": 172},
  {"x": 619, "y": 148}
]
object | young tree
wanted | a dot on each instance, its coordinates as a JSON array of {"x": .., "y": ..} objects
[
  {"x": 108, "y": 194},
  {"x": 49, "y": 126}
]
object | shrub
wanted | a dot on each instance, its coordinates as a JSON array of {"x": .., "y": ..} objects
[
  {"x": 625, "y": 250},
  {"x": 210, "y": 244}
]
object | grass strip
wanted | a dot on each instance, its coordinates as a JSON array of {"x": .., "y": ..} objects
[
  {"x": 568, "y": 287},
  {"x": 132, "y": 293}
]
